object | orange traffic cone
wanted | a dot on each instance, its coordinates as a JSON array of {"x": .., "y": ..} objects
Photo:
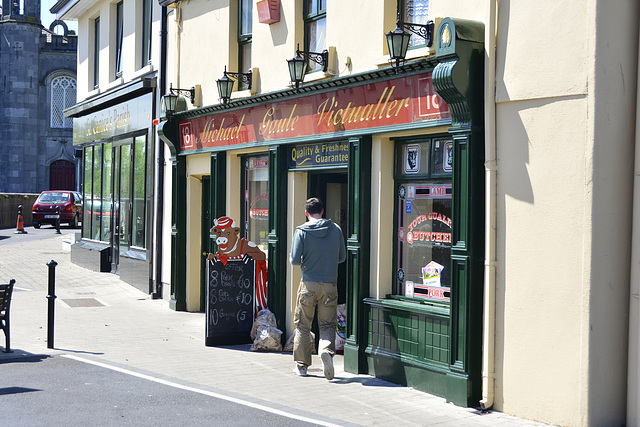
[{"x": 20, "y": 226}]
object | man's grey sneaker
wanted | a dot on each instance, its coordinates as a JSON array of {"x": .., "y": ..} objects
[
  {"x": 300, "y": 371},
  {"x": 327, "y": 361}
]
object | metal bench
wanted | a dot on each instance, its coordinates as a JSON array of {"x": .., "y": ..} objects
[{"x": 5, "y": 304}]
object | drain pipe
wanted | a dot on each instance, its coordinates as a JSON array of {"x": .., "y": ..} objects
[
  {"x": 160, "y": 156},
  {"x": 633, "y": 373},
  {"x": 490, "y": 168}
]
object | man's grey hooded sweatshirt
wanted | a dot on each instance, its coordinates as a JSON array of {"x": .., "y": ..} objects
[{"x": 317, "y": 248}]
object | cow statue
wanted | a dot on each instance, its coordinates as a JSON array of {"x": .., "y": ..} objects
[{"x": 232, "y": 246}]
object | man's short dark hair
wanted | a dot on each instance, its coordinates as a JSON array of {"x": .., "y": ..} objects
[{"x": 313, "y": 206}]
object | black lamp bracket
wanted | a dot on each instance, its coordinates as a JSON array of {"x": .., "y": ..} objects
[
  {"x": 319, "y": 58},
  {"x": 240, "y": 77},
  {"x": 191, "y": 93},
  {"x": 422, "y": 30}
]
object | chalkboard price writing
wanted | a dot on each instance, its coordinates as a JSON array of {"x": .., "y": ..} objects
[{"x": 230, "y": 301}]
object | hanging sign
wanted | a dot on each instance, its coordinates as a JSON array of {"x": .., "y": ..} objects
[
  {"x": 319, "y": 154},
  {"x": 373, "y": 105}
]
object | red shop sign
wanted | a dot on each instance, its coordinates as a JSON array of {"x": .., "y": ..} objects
[{"x": 392, "y": 102}]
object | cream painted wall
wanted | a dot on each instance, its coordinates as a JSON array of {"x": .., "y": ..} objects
[
  {"x": 297, "y": 182},
  {"x": 382, "y": 192},
  {"x": 234, "y": 177},
  {"x": 197, "y": 166},
  {"x": 193, "y": 255},
  {"x": 208, "y": 29},
  {"x": 546, "y": 57},
  {"x": 564, "y": 140},
  {"x": 83, "y": 60},
  {"x": 131, "y": 55},
  {"x": 542, "y": 288}
]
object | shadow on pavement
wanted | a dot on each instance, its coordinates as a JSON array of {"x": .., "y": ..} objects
[
  {"x": 19, "y": 356},
  {"x": 15, "y": 390}
]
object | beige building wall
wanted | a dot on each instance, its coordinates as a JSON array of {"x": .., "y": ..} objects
[{"x": 564, "y": 131}]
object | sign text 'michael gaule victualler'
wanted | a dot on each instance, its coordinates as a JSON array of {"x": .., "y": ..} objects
[{"x": 393, "y": 102}]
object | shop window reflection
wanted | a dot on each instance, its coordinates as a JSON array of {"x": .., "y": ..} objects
[
  {"x": 423, "y": 219},
  {"x": 256, "y": 201}
]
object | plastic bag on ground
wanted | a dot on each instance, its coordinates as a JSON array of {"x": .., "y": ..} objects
[
  {"x": 265, "y": 335},
  {"x": 289, "y": 344}
]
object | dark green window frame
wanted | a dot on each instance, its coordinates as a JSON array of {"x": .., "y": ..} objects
[
  {"x": 146, "y": 33},
  {"x": 246, "y": 201},
  {"x": 119, "y": 38},
  {"x": 96, "y": 52},
  {"x": 433, "y": 168},
  {"x": 245, "y": 31},
  {"x": 403, "y": 9},
  {"x": 315, "y": 11}
]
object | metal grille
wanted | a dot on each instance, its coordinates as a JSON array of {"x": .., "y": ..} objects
[{"x": 63, "y": 95}]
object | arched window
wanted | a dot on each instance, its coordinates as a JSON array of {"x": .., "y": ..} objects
[{"x": 63, "y": 95}]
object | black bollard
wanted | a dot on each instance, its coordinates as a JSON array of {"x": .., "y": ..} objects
[
  {"x": 57, "y": 219},
  {"x": 52, "y": 300}
]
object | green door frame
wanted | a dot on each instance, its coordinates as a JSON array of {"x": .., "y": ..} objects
[
  {"x": 358, "y": 252},
  {"x": 278, "y": 254},
  {"x": 459, "y": 80},
  {"x": 178, "y": 299}
]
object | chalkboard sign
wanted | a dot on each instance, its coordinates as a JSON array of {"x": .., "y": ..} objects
[{"x": 230, "y": 301}]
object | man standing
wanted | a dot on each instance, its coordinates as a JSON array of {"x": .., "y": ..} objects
[{"x": 318, "y": 248}]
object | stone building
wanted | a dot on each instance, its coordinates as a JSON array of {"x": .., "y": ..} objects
[{"x": 37, "y": 82}]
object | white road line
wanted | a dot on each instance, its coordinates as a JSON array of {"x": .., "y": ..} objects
[{"x": 205, "y": 392}]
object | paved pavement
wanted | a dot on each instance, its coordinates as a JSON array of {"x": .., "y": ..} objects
[{"x": 102, "y": 320}]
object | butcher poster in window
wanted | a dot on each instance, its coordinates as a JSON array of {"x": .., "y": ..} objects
[{"x": 424, "y": 240}]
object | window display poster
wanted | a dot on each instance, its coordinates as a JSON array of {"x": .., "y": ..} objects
[
  {"x": 424, "y": 245},
  {"x": 412, "y": 159}
]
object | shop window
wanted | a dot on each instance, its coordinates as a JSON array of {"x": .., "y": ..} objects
[
  {"x": 415, "y": 12},
  {"x": 423, "y": 218},
  {"x": 63, "y": 96},
  {"x": 119, "y": 169},
  {"x": 245, "y": 28},
  {"x": 315, "y": 29},
  {"x": 139, "y": 192},
  {"x": 88, "y": 208},
  {"x": 107, "y": 177},
  {"x": 256, "y": 200},
  {"x": 119, "y": 38},
  {"x": 145, "y": 40}
]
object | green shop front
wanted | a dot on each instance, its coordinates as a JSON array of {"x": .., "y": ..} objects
[{"x": 398, "y": 160}]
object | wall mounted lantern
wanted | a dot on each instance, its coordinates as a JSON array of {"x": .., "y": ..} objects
[
  {"x": 174, "y": 100},
  {"x": 398, "y": 39},
  {"x": 225, "y": 84},
  {"x": 298, "y": 64}
]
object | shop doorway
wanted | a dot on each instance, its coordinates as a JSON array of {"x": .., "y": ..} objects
[
  {"x": 120, "y": 217},
  {"x": 331, "y": 188}
]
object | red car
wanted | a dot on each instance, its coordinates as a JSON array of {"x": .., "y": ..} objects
[{"x": 44, "y": 209}]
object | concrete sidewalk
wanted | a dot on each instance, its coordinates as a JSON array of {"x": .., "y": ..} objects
[{"x": 101, "y": 319}]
